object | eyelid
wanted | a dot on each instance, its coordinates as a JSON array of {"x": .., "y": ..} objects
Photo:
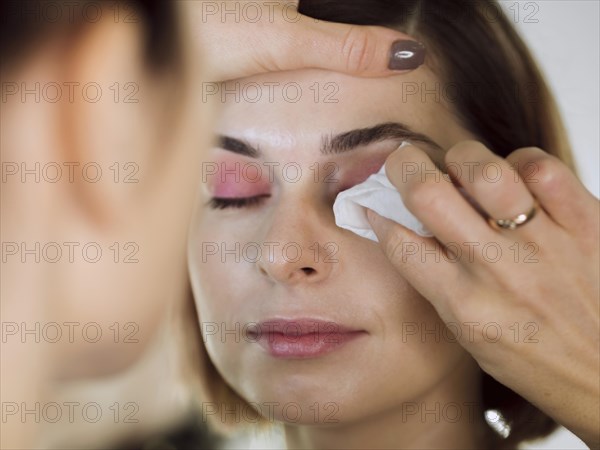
[{"x": 234, "y": 176}]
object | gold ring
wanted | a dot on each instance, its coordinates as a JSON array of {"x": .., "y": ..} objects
[{"x": 511, "y": 224}]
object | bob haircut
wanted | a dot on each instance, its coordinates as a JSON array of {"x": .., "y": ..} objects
[{"x": 499, "y": 95}]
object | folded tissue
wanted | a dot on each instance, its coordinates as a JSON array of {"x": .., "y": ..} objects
[{"x": 380, "y": 195}]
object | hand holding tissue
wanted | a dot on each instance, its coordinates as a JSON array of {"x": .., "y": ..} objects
[{"x": 378, "y": 194}]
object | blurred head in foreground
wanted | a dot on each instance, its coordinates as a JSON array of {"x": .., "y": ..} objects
[{"x": 103, "y": 128}]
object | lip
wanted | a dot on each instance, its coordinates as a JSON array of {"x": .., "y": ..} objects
[{"x": 302, "y": 338}]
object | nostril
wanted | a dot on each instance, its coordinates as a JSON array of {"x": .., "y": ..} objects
[{"x": 308, "y": 270}]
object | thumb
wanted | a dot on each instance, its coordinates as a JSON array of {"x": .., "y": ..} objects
[
  {"x": 283, "y": 39},
  {"x": 365, "y": 51}
]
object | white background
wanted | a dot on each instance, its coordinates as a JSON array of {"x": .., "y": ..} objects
[{"x": 565, "y": 41}]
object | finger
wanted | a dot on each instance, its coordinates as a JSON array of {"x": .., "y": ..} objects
[
  {"x": 422, "y": 261},
  {"x": 365, "y": 51},
  {"x": 492, "y": 182},
  {"x": 280, "y": 38},
  {"x": 557, "y": 189},
  {"x": 489, "y": 179},
  {"x": 434, "y": 200}
]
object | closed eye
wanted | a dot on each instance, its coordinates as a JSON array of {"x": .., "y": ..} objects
[{"x": 224, "y": 203}]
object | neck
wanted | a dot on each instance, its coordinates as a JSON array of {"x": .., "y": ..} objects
[{"x": 448, "y": 416}]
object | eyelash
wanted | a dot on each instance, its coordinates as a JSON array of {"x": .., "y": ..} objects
[{"x": 224, "y": 203}]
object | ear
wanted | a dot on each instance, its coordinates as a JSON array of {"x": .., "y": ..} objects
[
  {"x": 112, "y": 171},
  {"x": 135, "y": 132},
  {"x": 108, "y": 125},
  {"x": 83, "y": 107}
]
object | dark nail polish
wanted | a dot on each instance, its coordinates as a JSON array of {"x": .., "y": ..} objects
[{"x": 406, "y": 55}]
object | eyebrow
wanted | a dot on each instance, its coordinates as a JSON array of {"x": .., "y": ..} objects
[
  {"x": 238, "y": 146},
  {"x": 344, "y": 142}
]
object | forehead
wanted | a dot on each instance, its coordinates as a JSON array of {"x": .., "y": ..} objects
[{"x": 307, "y": 104}]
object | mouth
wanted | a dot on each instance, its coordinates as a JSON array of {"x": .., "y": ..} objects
[{"x": 302, "y": 338}]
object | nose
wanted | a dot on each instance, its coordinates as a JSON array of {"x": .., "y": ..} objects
[
  {"x": 299, "y": 250},
  {"x": 292, "y": 263}
]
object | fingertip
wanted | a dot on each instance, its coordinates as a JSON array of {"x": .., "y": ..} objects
[
  {"x": 402, "y": 152},
  {"x": 467, "y": 147},
  {"x": 402, "y": 161}
]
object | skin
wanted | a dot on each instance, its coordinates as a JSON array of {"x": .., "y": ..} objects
[{"x": 368, "y": 379}]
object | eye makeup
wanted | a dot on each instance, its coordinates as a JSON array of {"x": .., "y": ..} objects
[
  {"x": 357, "y": 167},
  {"x": 235, "y": 183},
  {"x": 239, "y": 181},
  {"x": 236, "y": 179},
  {"x": 359, "y": 170}
]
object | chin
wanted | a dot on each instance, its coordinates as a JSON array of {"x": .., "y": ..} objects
[{"x": 302, "y": 399}]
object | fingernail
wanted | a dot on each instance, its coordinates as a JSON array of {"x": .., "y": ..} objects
[{"x": 406, "y": 55}]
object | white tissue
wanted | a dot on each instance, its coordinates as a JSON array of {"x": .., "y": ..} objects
[{"x": 380, "y": 195}]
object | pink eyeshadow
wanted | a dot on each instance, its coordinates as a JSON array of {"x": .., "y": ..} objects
[
  {"x": 360, "y": 172},
  {"x": 235, "y": 178}
]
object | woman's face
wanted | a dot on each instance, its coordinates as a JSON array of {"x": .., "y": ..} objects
[{"x": 293, "y": 309}]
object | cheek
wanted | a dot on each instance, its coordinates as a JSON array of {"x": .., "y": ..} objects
[
  {"x": 213, "y": 299},
  {"x": 217, "y": 302},
  {"x": 219, "y": 281},
  {"x": 398, "y": 305},
  {"x": 416, "y": 339},
  {"x": 415, "y": 344},
  {"x": 207, "y": 273}
]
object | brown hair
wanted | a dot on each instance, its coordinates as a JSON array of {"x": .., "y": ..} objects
[
  {"x": 26, "y": 23},
  {"x": 502, "y": 98}
]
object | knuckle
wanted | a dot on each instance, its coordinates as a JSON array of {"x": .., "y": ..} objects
[
  {"x": 550, "y": 173},
  {"x": 531, "y": 152},
  {"x": 359, "y": 49},
  {"x": 424, "y": 196},
  {"x": 394, "y": 247},
  {"x": 526, "y": 161},
  {"x": 495, "y": 180},
  {"x": 466, "y": 152}
]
